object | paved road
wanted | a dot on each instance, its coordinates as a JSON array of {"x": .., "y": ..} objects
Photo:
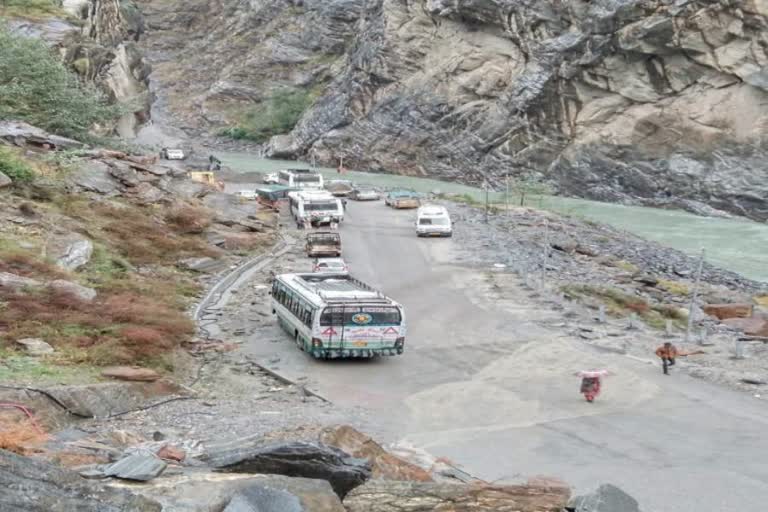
[{"x": 486, "y": 383}]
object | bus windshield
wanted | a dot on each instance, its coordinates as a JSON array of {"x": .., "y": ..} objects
[
  {"x": 360, "y": 316},
  {"x": 316, "y": 207}
]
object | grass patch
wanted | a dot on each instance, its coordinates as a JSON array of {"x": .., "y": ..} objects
[
  {"x": 33, "y": 9},
  {"x": 674, "y": 287},
  {"x": 23, "y": 262},
  {"x": 626, "y": 266},
  {"x": 277, "y": 114},
  {"x": 620, "y": 304},
  {"x": 15, "y": 167}
]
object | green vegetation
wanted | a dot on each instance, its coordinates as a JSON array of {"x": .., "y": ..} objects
[
  {"x": 277, "y": 114},
  {"x": 14, "y": 167},
  {"x": 37, "y": 88},
  {"x": 30, "y": 8},
  {"x": 674, "y": 287},
  {"x": 621, "y": 304},
  {"x": 626, "y": 266}
]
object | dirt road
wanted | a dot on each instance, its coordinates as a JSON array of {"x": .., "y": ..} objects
[{"x": 486, "y": 380}]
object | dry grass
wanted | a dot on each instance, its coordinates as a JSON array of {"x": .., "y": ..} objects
[
  {"x": 19, "y": 435},
  {"x": 674, "y": 287},
  {"x": 187, "y": 219},
  {"x": 621, "y": 304},
  {"x": 26, "y": 263},
  {"x": 119, "y": 328}
]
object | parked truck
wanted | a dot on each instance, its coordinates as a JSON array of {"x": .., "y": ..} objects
[{"x": 323, "y": 243}]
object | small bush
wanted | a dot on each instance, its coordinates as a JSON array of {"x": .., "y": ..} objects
[
  {"x": 277, "y": 114},
  {"x": 36, "y": 87},
  {"x": 14, "y": 167},
  {"x": 26, "y": 263}
]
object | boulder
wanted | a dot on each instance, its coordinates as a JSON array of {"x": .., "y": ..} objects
[
  {"x": 264, "y": 499},
  {"x": 607, "y": 498},
  {"x": 281, "y": 146},
  {"x": 31, "y": 485},
  {"x": 753, "y": 326},
  {"x": 230, "y": 210},
  {"x": 94, "y": 176},
  {"x": 138, "y": 467},
  {"x": 16, "y": 283},
  {"x": 186, "y": 189},
  {"x": 5, "y": 181},
  {"x": 70, "y": 251},
  {"x": 21, "y": 133},
  {"x": 146, "y": 193},
  {"x": 35, "y": 346},
  {"x": 384, "y": 465},
  {"x": 306, "y": 460},
  {"x": 391, "y": 496},
  {"x": 724, "y": 311},
  {"x": 203, "y": 264},
  {"x": 80, "y": 292},
  {"x": 204, "y": 492},
  {"x": 131, "y": 373},
  {"x": 106, "y": 398},
  {"x": 124, "y": 173}
]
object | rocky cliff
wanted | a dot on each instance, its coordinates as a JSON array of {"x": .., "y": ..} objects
[
  {"x": 659, "y": 102},
  {"x": 97, "y": 38}
]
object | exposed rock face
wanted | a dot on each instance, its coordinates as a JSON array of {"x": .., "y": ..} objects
[
  {"x": 386, "y": 496},
  {"x": 70, "y": 251},
  {"x": 105, "y": 52},
  {"x": 306, "y": 460},
  {"x": 649, "y": 101},
  {"x": 33, "y": 486}
]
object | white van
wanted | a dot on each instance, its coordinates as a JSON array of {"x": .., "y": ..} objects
[
  {"x": 433, "y": 220},
  {"x": 318, "y": 206}
]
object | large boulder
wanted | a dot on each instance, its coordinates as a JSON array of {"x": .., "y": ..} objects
[
  {"x": 70, "y": 251},
  {"x": 21, "y": 133},
  {"x": 607, "y": 498},
  {"x": 754, "y": 326},
  {"x": 204, "y": 492},
  {"x": 34, "y": 486},
  {"x": 106, "y": 398},
  {"x": 15, "y": 283},
  {"x": 308, "y": 460},
  {"x": 391, "y": 496},
  {"x": 5, "y": 181},
  {"x": 94, "y": 176},
  {"x": 725, "y": 311},
  {"x": 384, "y": 465},
  {"x": 35, "y": 346},
  {"x": 131, "y": 373},
  {"x": 78, "y": 291}
]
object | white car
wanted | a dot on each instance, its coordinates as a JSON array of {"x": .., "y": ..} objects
[
  {"x": 271, "y": 178},
  {"x": 433, "y": 221},
  {"x": 246, "y": 194},
  {"x": 364, "y": 194},
  {"x": 172, "y": 154},
  {"x": 330, "y": 266}
]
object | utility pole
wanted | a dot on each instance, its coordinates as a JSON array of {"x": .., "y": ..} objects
[
  {"x": 545, "y": 254},
  {"x": 506, "y": 196},
  {"x": 486, "y": 201},
  {"x": 694, "y": 296},
  {"x": 313, "y": 159}
]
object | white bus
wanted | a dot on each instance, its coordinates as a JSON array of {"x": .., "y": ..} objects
[
  {"x": 300, "y": 178},
  {"x": 334, "y": 315},
  {"x": 318, "y": 206}
]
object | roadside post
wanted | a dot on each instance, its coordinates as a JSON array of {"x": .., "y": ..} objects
[
  {"x": 545, "y": 254},
  {"x": 485, "y": 185},
  {"x": 694, "y": 296}
]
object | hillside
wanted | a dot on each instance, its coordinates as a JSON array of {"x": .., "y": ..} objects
[{"x": 654, "y": 102}]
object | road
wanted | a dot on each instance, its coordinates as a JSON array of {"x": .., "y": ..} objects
[{"x": 487, "y": 382}]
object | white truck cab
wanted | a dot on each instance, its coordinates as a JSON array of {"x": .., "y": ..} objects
[{"x": 432, "y": 220}]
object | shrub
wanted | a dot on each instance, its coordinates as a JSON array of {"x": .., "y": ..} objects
[
  {"x": 14, "y": 167},
  {"x": 277, "y": 114},
  {"x": 674, "y": 287},
  {"x": 36, "y": 87}
]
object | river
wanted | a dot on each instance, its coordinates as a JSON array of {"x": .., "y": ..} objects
[{"x": 736, "y": 244}]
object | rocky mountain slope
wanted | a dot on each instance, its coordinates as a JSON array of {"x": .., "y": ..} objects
[{"x": 661, "y": 102}]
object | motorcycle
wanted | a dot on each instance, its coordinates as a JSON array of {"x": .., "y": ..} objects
[{"x": 591, "y": 383}]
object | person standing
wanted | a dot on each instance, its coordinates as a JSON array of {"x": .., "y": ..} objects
[{"x": 667, "y": 353}]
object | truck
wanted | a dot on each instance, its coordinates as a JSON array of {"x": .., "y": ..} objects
[{"x": 323, "y": 243}]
